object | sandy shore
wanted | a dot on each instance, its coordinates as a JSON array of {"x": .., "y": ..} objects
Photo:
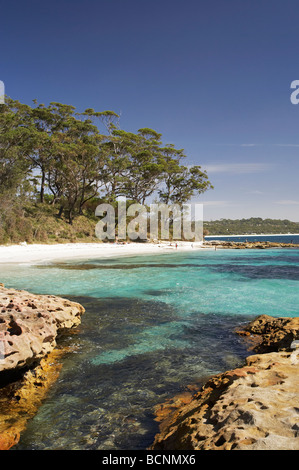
[
  {"x": 46, "y": 253},
  {"x": 253, "y": 235}
]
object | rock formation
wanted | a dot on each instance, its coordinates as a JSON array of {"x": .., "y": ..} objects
[
  {"x": 29, "y": 356},
  {"x": 29, "y": 325},
  {"x": 254, "y": 407},
  {"x": 243, "y": 245},
  {"x": 21, "y": 398}
]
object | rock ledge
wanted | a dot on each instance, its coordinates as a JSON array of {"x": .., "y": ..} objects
[
  {"x": 30, "y": 359},
  {"x": 254, "y": 407},
  {"x": 29, "y": 325}
]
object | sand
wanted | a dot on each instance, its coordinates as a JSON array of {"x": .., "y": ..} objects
[{"x": 39, "y": 253}]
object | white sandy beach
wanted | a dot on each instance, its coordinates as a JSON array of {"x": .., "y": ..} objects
[
  {"x": 38, "y": 253},
  {"x": 213, "y": 237}
]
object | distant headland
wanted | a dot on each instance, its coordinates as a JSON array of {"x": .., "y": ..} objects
[{"x": 253, "y": 226}]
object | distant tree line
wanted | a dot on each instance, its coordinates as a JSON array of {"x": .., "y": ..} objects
[
  {"x": 254, "y": 225},
  {"x": 54, "y": 155}
]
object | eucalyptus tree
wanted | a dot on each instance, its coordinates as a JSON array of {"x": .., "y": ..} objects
[
  {"x": 16, "y": 144},
  {"x": 73, "y": 161},
  {"x": 76, "y": 175},
  {"x": 144, "y": 163},
  {"x": 46, "y": 122},
  {"x": 181, "y": 182}
]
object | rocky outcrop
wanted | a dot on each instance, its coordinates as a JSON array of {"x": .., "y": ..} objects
[
  {"x": 254, "y": 407},
  {"x": 29, "y": 354},
  {"x": 248, "y": 245},
  {"x": 20, "y": 399},
  {"x": 29, "y": 325},
  {"x": 268, "y": 334}
]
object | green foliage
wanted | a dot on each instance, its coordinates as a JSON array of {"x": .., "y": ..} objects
[
  {"x": 38, "y": 223},
  {"x": 54, "y": 157},
  {"x": 254, "y": 225}
]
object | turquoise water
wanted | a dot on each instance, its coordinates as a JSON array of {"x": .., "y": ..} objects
[
  {"x": 153, "y": 325},
  {"x": 292, "y": 238}
]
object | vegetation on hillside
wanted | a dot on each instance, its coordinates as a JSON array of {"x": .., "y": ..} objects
[
  {"x": 57, "y": 165},
  {"x": 254, "y": 225}
]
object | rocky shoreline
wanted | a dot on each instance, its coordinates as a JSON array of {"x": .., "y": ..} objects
[
  {"x": 29, "y": 354},
  {"x": 247, "y": 245},
  {"x": 254, "y": 407}
]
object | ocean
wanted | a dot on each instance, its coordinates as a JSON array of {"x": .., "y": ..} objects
[
  {"x": 257, "y": 238},
  {"x": 153, "y": 325}
]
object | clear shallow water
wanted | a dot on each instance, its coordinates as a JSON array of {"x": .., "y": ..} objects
[{"x": 153, "y": 324}]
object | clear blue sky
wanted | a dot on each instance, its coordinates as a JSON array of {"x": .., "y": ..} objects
[{"x": 213, "y": 76}]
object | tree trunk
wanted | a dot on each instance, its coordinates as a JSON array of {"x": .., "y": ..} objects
[
  {"x": 71, "y": 218},
  {"x": 42, "y": 187}
]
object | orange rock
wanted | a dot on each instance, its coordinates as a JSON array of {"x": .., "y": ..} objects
[
  {"x": 254, "y": 407},
  {"x": 24, "y": 399},
  {"x": 8, "y": 440}
]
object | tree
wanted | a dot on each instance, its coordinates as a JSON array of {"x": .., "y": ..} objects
[
  {"x": 76, "y": 175},
  {"x": 181, "y": 183},
  {"x": 15, "y": 145},
  {"x": 172, "y": 169},
  {"x": 142, "y": 163},
  {"x": 69, "y": 161}
]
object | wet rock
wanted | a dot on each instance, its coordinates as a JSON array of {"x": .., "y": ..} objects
[
  {"x": 29, "y": 357},
  {"x": 20, "y": 399}
]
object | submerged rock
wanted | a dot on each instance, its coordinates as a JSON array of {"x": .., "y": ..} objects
[{"x": 254, "y": 407}]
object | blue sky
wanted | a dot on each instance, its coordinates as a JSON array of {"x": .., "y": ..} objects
[{"x": 213, "y": 76}]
